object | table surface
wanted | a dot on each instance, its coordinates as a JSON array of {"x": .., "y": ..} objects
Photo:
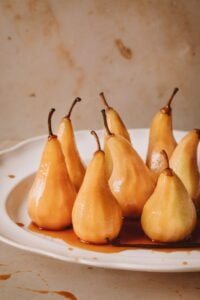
[{"x": 24, "y": 275}]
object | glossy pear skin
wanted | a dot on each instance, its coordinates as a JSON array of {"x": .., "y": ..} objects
[
  {"x": 169, "y": 215},
  {"x": 96, "y": 215},
  {"x": 75, "y": 166},
  {"x": 116, "y": 126},
  {"x": 131, "y": 181},
  {"x": 160, "y": 138},
  {"x": 52, "y": 194},
  {"x": 185, "y": 165}
]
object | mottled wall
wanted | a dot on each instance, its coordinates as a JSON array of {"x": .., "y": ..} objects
[{"x": 135, "y": 51}]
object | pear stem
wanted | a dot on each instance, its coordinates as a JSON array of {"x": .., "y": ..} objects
[
  {"x": 72, "y": 106},
  {"x": 104, "y": 100},
  {"x": 105, "y": 122},
  {"x": 168, "y": 172},
  {"x": 49, "y": 122},
  {"x": 175, "y": 91},
  {"x": 97, "y": 139},
  {"x": 197, "y": 132},
  {"x": 167, "y": 109}
]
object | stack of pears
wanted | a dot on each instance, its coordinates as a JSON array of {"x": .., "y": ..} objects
[
  {"x": 169, "y": 215},
  {"x": 164, "y": 192}
]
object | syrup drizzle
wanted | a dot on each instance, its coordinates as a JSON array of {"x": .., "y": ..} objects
[
  {"x": 131, "y": 237},
  {"x": 139, "y": 240},
  {"x": 19, "y": 224},
  {"x": 11, "y": 176},
  {"x": 65, "y": 294}
]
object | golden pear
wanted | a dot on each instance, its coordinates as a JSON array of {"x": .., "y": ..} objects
[
  {"x": 52, "y": 194},
  {"x": 161, "y": 135},
  {"x": 184, "y": 163},
  {"x": 96, "y": 215},
  {"x": 75, "y": 166},
  {"x": 131, "y": 182},
  {"x": 169, "y": 215},
  {"x": 116, "y": 126}
]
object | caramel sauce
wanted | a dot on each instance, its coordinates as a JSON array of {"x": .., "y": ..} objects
[
  {"x": 131, "y": 237},
  {"x": 5, "y": 276},
  {"x": 11, "y": 176},
  {"x": 70, "y": 237},
  {"x": 65, "y": 294},
  {"x": 19, "y": 224}
]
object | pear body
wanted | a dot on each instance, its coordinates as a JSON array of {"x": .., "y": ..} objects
[
  {"x": 116, "y": 126},
  {"x": 169, "y": 215},
  {"x": 185, "y": 165},
  {"x": 52, "y": 194},
  {"x": 75, "y": 166},
  {"x": 160, "y": 138},
  {"x": 131, "y": 181},
  {"x": 96, "y": 215}
]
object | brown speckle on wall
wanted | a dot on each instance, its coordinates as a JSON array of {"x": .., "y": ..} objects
[
  {"x": 65, "y": 56},
  {"x": 123, "y": 50}
]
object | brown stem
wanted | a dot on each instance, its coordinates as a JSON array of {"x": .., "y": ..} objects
[
  {"x": 168, "y": 172},
  {"x": 105, "y": 122},
  {"x": 49, "y": 122},
  {"x": 167, "y": 109},
  {"x": 197, "y": 132},
  {"x": 97, "y": 139},
  {"x": 72, "y": 106},
  {"x": 175, "y": 91},
  {"x": 104, "y": 100}
]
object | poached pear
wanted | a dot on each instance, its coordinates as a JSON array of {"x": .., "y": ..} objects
[
  {"x": 184, "y": 163},
  {"x": 131, "y": 182},
  {"x": 116, "y": 125},
  {"x": 161, "y": 135},
  {"x": 96, "y": 215},
  {"x": 169, "y": 215},
  {"x": 52, "y": 194},
  {"x": 65, "y": 132}
]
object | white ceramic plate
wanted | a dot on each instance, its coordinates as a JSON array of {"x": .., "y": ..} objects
[{"x": 22, "y": 161}]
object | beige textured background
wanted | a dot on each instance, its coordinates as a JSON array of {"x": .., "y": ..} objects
[{"x": 135, "y": 51}]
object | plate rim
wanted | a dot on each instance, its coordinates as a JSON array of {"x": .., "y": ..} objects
[{"x": 136, "y": 267}]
